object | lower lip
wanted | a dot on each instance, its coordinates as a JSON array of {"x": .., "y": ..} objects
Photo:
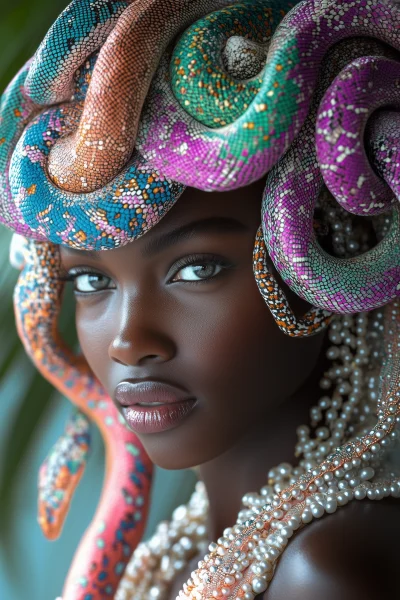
[{"x": 147, "y": 419}]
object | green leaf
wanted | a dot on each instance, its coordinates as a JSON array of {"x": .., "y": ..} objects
[{"x": 23, "y": 25}]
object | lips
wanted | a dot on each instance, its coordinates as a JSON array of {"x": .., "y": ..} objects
[
  {"x": 153, "y": 406},
  {"x": 129, "y": 393}
]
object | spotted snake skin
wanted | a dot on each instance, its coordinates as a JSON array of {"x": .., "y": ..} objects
[
  {"x": 119, "y": 521},
  {"x": 102, "y": 130},
  {"x": 54, "y": 145}
]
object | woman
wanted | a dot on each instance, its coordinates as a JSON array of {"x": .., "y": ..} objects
[{"x": 183, "y": 365}]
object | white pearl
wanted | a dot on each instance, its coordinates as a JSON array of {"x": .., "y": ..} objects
[
  {"x": 307, "y": 516},
  {"x": 272, "y": 554},
  {"x": 367, "y": 473},
  {"x": 225, "y": 591},
  {"x": 360, "y": 494},
  {"x": 155, "y": 592},
  {"x": 317, "y": 511},
  {"x": 259, "y": 585},
  {"x": 331, "y": 506},
  {"x": 287, "y": 531}
]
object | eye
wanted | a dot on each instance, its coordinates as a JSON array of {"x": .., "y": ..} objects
[
  {"x": 89, "y": 282},
  {"x": 194, "y": 269}
]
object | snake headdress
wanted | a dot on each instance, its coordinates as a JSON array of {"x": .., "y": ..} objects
[{"x": 127, "y": 102}]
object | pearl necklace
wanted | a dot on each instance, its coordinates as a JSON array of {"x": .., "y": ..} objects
[{"x": 242, "y": 562}]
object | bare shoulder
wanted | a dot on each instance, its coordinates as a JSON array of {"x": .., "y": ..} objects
[{"x": 350, "y": 555}]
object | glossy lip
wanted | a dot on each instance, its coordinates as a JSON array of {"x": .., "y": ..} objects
[
  {"x": 171, "y": 404},
  {"x": 135, "y": 391}
]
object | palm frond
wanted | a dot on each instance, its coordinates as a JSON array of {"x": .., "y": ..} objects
[{"x": 23, "y": 24}]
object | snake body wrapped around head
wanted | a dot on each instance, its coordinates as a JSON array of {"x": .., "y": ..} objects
[{"x": 127, "y": 102}]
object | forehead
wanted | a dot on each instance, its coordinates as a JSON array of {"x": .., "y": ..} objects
[
  {"x": 204, "y": 212},
  {"x": 241, "y": 203}
]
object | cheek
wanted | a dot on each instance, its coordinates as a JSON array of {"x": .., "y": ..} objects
[
  {"x": 93, "y": 327},
  {"x": 240, "y": 358},
  {"x": 235, "y": 350}
]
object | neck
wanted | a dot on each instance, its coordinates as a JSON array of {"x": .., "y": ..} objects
[{"x": 244, "y": 467}]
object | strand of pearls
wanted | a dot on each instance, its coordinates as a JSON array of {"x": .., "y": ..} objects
[
  {"x": 155, "y": 563},
  {"x": 240, "y": 565},
  {"x": 320, "y": 489}
]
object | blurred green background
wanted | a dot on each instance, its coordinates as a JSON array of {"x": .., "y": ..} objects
[{"x": 32, "y": 415}]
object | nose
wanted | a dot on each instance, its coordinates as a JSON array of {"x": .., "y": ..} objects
[{"x": 139, "y": 337}]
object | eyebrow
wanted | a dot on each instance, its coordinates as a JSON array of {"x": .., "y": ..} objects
[
  {"x": 180, "y": 234},
  {"x": 185, "y": 232}
]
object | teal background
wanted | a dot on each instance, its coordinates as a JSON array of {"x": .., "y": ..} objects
[{"x": 32, "y": 415}]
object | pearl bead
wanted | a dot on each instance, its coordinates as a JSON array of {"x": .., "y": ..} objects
[
  {"x": 155, "y": 593},
  {"x": 360, "y": 494},
  {"x": 331, "y": 506},
  {"x": 259, "y": 585},
  {"x": 272, "y": 554},
  {"x": 317, "y": 511},
  {"x": 367, "y": 473},
  {"x": 307, "y": 516},
  {"x": 225, "y": 591}
]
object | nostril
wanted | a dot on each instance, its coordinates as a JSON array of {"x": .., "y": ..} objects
[
  {"x": 157, "y": 358},
  {"x": 120, "y": 362},
  {"x": 140, "y": 346}
]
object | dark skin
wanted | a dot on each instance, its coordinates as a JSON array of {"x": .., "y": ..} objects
[{"x": 207, "y": 329}]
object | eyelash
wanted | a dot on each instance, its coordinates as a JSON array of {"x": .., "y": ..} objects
[{"x": 187, "y": 261}]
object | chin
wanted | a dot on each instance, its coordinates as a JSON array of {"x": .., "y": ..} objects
[
  {"x": 171, "y": 462},
  {"x": 175, "y": 450},
  {"x": 190, "y": 440}
]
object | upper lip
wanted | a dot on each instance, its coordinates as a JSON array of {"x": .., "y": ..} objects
[{"x": 136, "y": 391}]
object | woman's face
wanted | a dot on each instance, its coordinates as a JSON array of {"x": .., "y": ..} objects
[{"x": 181, "y": 306}]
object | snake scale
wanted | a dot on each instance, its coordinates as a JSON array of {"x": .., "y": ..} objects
[{"x": 124, "y": 105}]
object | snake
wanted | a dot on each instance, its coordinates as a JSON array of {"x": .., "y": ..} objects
[
  {"x": 124, "y": 105},
  {"x": 119, "y": 522},
  {"x": 117, "y": 527},
  {"x": 99, "y": 167},
  {"x": 333, "y": 281}
]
